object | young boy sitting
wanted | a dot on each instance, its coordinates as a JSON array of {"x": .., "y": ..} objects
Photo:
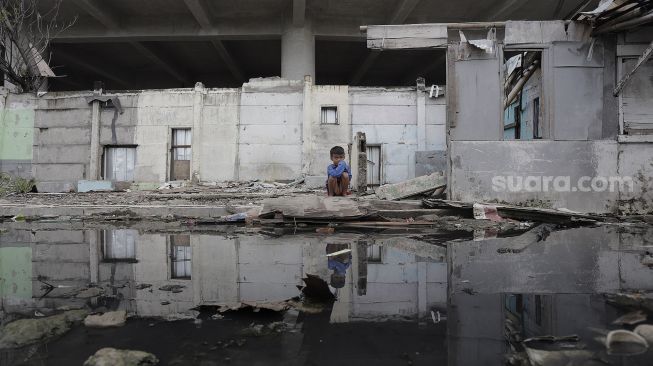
[{"x": 339, "y": 173}]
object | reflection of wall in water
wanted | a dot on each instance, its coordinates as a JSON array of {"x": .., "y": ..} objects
[{"x": 222, "y": 270}]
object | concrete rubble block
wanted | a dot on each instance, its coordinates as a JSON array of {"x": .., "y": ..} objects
[
  {"x": 94, "y": 186},
  {"x": 411, "y": 187},
  {"x": 119, "y": 357},
  {"x": 313, "y": 207},
  {"x": 24, "y": 332},
  {"x": 108, "y": 319}
]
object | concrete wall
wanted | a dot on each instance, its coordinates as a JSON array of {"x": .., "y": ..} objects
[
  {"x": 16, "y": 133},
  {"x": 270, "y": 129},
  {"x": 579, "y": 120},
  {"x": 219, "y": 138},
  {"x": 476, "y": 163},
  {"x": 389, "y": 117},
  {"x": 636, "y": 161},
  {"x": 270, "y": 142},
  {"x": 158, "y": 113},
  {"x": 323, "y": 137},
  {"x": 61, "y": 141}
]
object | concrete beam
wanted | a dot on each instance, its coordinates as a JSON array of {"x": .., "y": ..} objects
[
  {"x": 92, "y": 68},
  {"x": 170, "y": 69},
  {"x": 228, "y": 29},
  {"x": 99, "y": 12},
  {"x": 201, "y": 14},
  {"x": 199, "y": 11},
  {"x": 298, "y": 13}
]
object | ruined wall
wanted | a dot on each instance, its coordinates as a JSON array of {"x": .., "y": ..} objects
[
  {"x": 475, "y": 163},
  {"x": 388, "y": 117},
  {"x": 62, "y": 141},
  {"x": 636, "y": 161},
  {"x": 320, "y": 138},
  {"x": 257, "y": 132},
  {"x": 218, "y": 142},
  {"x": 158, "y": 113},
  {"x": 16, "y": 133},
  {"x": 270, "y": 142}
]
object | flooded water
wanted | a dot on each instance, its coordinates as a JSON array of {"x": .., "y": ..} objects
[{"x": 245, "y": 298}]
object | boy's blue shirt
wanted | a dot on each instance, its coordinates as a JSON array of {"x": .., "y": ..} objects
[{"x": 336, "y": 171}]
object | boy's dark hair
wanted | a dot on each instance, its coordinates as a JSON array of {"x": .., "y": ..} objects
[{"x": 337, "y": 150}]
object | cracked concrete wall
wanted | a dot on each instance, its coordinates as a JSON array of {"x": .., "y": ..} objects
[
  {"x": 476, "y": 163},
  {"x": 255, "y": 132},
  {"x": 388, "y": 116},
  {"x": 636, "y": 161},
  {"x": 158, "y": 113},
  {"x": 219, "y": 138},
  {"x": 62, "y": 141}
]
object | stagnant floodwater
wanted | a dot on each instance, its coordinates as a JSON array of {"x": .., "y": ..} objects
[{"x": 396, "y": 299}]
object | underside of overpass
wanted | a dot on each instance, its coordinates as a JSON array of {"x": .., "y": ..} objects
[{"x": 142, "y": 44}]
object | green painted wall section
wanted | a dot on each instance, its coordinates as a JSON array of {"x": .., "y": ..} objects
[
  {"x": 16, "y": 272},
  {"x": 16, "y": 134}
]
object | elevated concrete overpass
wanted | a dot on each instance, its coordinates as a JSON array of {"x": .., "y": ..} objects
[{"x": 138, "y": 44}]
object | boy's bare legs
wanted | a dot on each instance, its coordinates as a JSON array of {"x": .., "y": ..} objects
[
  {"x": 344, "y": 184},
  {"x": 338, "y": 187},
  {"x": 332, "y": 186}
]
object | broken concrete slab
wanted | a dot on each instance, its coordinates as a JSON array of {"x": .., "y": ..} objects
[
  {"x": 94, "y": 186},
  {"x": 411, "y": 187},
  {"x": 119, "y": 357},
  {"x": 313, "y": 207},
  {"x": 24, "y": 332},
  {"x": 108, "y": 319}
]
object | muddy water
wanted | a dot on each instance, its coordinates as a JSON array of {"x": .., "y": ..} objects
[{"x": 215, "y": 297}]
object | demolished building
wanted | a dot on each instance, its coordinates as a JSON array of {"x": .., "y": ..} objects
[{"x": 523, "y": 101}]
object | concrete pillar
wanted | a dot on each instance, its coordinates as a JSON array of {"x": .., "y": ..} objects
[
  {"x": 421, "y": 115},
  {"x": 297, "y": 52},
  {"x": 307, "y": 133},
  {"x": 198, "y": 106},
  {"x": 94, "y": 168}
]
